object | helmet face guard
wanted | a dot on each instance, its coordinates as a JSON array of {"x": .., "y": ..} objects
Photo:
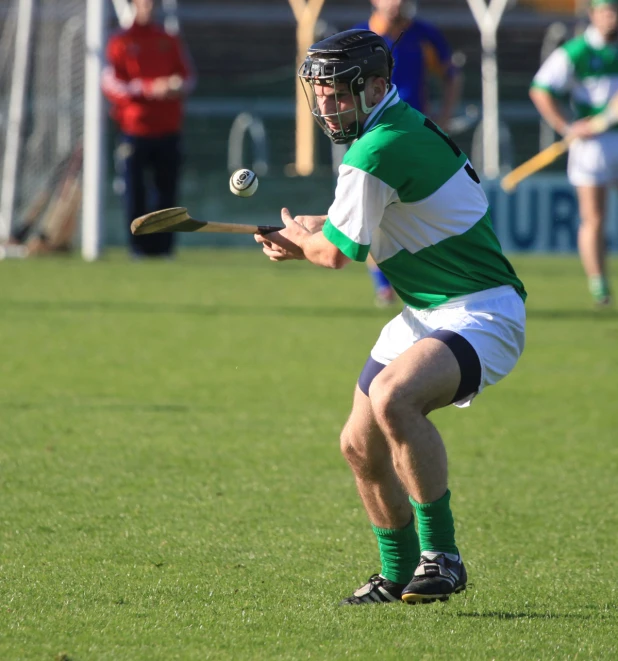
[
  {"x": 351, "y": 58},
  {"x": 351, "y": 77}
]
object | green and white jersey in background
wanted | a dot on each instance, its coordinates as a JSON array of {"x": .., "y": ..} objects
[
  {"x": 584, "y": 68},
  {"x": 408, "y": 196}
]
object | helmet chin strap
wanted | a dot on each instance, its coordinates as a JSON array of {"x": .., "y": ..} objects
[{"x": 364, "y": 107}]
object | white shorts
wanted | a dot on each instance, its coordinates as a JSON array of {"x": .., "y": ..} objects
[
  {"x": 594, "y": 161},
  {"x": 492, "y": 321}
]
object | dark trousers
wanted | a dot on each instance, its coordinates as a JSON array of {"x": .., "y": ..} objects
[{"x": 151, "y": 168}]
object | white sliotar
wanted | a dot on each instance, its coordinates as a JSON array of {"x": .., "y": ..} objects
[{"x": 243, "y": 182}]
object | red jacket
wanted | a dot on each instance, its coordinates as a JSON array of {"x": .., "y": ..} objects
[{"x": 136, "y": 57}]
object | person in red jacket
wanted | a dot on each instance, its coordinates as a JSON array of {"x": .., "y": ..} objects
[{"x": 146, "y": 79}]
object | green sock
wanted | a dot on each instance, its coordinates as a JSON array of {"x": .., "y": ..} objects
[
  {"x": 436, "y": 528},
  {"x": 399, "y": 552},
  {"x": 598, "y": 286}
]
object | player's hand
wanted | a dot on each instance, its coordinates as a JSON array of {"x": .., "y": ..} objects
[
  {"x": 582, "y": 129},
  {"x": 166, "y": 87},
  {"x": 285, "y": 244},
  {"x": 312, "y": 223},
  {"x": 274, "y": 252},
  {"x": 159, "y": 88},
  {"x": 174, "y": 86}
]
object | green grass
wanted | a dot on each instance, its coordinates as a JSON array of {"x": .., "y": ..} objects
[{"x": 171, "y": 486}]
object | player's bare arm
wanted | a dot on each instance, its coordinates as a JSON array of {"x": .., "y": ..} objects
[
  {"x": 550, "y": 110},
  {"x": 552, "y": 113}
]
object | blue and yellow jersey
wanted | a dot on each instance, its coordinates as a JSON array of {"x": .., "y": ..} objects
[{"x": 421, "y": 51}]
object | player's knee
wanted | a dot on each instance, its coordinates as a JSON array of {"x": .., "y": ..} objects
[
  {"x": 355, "y": 450},
  {"x": 394, "y": 405},
  {"x": 350, "y": 447},
  {"x": 593, "y": 225}
]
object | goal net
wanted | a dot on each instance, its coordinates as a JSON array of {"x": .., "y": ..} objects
[{"x": 41, "y": 115}]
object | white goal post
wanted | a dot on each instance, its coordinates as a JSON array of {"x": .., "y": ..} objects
[
  {"x": 12, "y": 128},
  {"x": 94, "y": 116},
  {"x": 94, "y": 131},
  {"x": 488, "y": 18}
]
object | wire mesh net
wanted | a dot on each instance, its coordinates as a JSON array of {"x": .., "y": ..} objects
[
  {"x": 7, "y": 48},
  {"x": 52, "y": 123}
]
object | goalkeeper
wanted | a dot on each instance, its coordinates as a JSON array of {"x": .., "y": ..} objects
[{"x": 146, "y": 81}]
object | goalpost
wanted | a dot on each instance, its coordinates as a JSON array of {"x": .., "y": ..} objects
[
  {"x": 15, "y": 112},
  {"x": 52, "y": 118},
  {"x": 17, "y": 32},
  {"x": 94, "y": 118},
  {"x": 51, "y": 105},
  {"x": 94, "y": 131},
  {"x": 487, "y": 17},
  {"x": 306, "y": 13}
]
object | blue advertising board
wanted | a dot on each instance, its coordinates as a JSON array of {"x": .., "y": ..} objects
[{"x": 542, "y": 215}]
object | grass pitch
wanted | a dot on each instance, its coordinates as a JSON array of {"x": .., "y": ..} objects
[{"x": 171, "y": 486}]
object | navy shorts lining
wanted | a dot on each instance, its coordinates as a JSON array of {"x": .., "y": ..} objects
[
  {"x": 469, "y": 363},
  {"x": 370, "y": 371},
  {"x": 464, "y": 352}
]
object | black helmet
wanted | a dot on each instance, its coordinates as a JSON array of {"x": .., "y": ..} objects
[{"x": 348, "y": 57}]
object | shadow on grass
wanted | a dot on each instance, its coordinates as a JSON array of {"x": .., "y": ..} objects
[
  {"x": 139, "y": 307},
  {"x": 506, "y": 615}
]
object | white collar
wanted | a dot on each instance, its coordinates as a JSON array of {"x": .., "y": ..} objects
[{"x": 595, "y": 38}]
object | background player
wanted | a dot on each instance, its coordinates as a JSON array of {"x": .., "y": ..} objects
[{"x": 586, "y": 68}]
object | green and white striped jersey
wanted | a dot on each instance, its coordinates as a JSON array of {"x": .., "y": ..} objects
[
  {"x": 408, "y": 196},
  {"x": 586, "y": 68}
]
